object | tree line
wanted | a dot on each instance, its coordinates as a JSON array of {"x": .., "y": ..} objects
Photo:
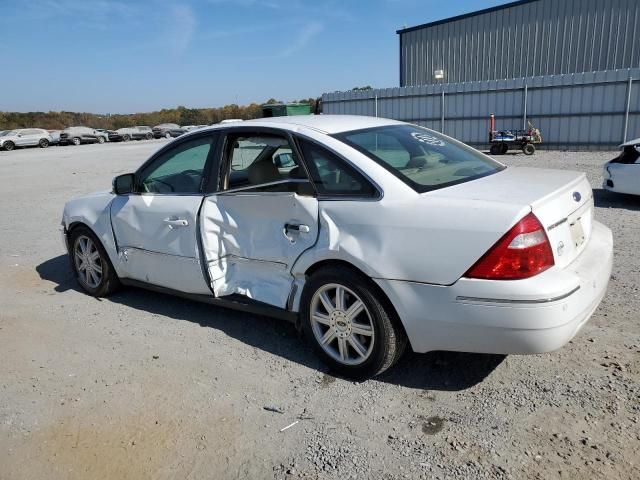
[{"x": 180, "y": 115}]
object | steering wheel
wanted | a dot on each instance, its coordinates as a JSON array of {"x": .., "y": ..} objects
[{"x": 155, "y": 180}]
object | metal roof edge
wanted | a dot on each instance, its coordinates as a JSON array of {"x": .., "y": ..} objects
[{"x": 464, "y": 15}]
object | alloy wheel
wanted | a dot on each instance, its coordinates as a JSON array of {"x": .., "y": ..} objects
[
  {"x": 341, "y": 324},
  {"x": 87, "y": 261}
]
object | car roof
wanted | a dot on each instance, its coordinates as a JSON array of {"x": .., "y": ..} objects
[
  {"x": 324, "y": 123},
  {"x": 631, "y": 143}
]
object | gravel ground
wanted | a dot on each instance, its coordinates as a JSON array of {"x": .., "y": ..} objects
[{"x": 142, "y": 385}]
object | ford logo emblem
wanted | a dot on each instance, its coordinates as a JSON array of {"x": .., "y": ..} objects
[{"x": 576, "y": 196}]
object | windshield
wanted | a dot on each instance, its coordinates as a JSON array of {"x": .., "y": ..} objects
[
  {"x": 8, "y": 132},
  {"x": 423, "y": 159}
]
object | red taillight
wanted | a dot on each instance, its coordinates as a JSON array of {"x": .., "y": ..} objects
[{"x": 523, "y": 252}]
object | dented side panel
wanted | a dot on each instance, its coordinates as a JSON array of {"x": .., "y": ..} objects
[
  {"x": 248, "y": 247},
  {"x": 157, "y": 238}
]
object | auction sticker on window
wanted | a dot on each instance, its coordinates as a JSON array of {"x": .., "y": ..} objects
[{"x": 428, "y": 139}]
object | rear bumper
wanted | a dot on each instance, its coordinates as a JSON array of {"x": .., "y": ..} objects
[{"x": 535, "y": 315}]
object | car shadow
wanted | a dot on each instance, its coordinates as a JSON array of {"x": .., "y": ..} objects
[
  {"x": 448, "y": 371},
  {"x": 605, "y": 199}
]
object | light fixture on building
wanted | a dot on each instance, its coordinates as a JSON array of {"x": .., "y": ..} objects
[{"x": 438, "y": 74}]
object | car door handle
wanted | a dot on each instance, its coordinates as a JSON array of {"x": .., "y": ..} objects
[
  {"x": 174, "y": 222},
  {"x": 297, "y": 228}
]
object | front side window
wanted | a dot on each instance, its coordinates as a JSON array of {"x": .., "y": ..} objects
[
  {"x": 423, "y": 159},
  {"x": 179, "y": 170},
  {"x": 263, "y": 160},
  {"x": 332, "y": 176}
]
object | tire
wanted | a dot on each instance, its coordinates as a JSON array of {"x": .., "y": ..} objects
[
  {"x": 529, "y": 149},
  {"x": 149, "y": 136},
  {"x": 100, "y": 139},
  {"x": 383, "y": 339},
  {"x": 100, "y": 279},
  {"x": 126, "y": 138},
  {"x": 504, "y": 148},
  {"x": 495, "y": 149},
  {"x": 43, "y": 143},
  {"x": 8, "y": 146},
  {"x": 167, "y": 135},
  {"x": 76, "y": 141}
]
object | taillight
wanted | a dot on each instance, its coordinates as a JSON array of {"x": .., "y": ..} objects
[{"x": 523, "y": 252}]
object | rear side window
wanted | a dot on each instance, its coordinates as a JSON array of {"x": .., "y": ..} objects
[
  {"x": 333, "y": 176},
  {"x": 425, "y": 160}
]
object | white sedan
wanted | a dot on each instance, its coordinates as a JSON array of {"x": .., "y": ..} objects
[
  {"x": 622, "y": 174},
  {"x": 369, "y": 233}
]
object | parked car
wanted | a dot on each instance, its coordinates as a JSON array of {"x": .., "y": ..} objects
[
  {"x": 79, "y": 135},
  {"x": 55, "y": 136},
  {"x": 131, "y": 133},
  {"x": 25, "y": 137},
  {"x": 188, "y": 128},
  {"x": 167, "y": 130},
  {"x": 103, "y": 133},
  {"x": 371, "y": 234},
  {"x": 622, "y": 174}
]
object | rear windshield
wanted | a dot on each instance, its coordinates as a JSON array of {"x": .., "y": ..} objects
[
  {"x": 630, "y": 154},
  {"x": 423, "y": 159}
]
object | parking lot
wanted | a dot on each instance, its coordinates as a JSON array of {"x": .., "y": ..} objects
[{"x": 143, "y": 385}]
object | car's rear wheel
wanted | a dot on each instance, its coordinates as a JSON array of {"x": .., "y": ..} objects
[
  {"x": 495, "y": 149},
  {"x": 504, "y": 148},
  {"x": 149, "y": 136},
  {"x": 529, "y": 149},
  {"x": 8, "y": 146},
  {"x": 44, "y": 143},
  {"x": 91, "y": 264},
  {"x": 75, "y": 141},
  {"x": 167, "y": 135},
  {"x": 126, "y": 138},
  {"x": 349, "y": 325},
  {"x": 100, "y": 139}
]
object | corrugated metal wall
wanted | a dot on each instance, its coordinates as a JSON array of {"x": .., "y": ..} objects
[
  {"x": 575, "y": 111},
  {"x": 542, "y": 37}
]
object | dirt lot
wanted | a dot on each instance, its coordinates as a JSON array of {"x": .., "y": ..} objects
[{"x": 143, "y": 385}]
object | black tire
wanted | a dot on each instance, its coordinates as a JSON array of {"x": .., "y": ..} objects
[
  {"x": 167, "y": 135},
  {"x": 43, "y": 143},
  {"x": 109, "y": 281},
  {"x": 504, "y": 148},
  {"x": 149, "y": 136},
  {"x": 8, "y": 146},
  {"x": 101, "y": 139},
  {"x": 529, "y": 149},
  {"x": 76, "y": 141},
  {"x": 495, "y": 149},
  {"x": 389, "y": 340},
  {"x": 126, "y": 138}
]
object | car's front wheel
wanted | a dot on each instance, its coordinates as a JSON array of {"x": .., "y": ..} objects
[
  {"x": 100, "y": 139},
  {"x": 349, "y": 325},
  {"x": 75, "y": 141},
  {"x": 8, "y": 146},
  {"x": 44, "y": 143},
  {"x": 91, "y": 264}
]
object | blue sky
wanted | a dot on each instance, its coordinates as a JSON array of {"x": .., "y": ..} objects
[{"x": 126, "y": 56}]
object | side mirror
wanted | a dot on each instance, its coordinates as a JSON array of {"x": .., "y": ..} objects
[{"x": 124, "y": 184}]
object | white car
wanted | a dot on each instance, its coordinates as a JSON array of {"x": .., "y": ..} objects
[
  {"x": 622, "y": 174},
  {"x": 369, "y": 233},
  {"x": 25, "y": 137}
]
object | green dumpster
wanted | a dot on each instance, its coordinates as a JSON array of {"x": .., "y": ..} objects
[{"x": 284, "y": 109}]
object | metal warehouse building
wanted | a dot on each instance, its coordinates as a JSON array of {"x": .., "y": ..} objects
[
  {"x": 527, "y": 38},
  {"x": 569, "y": 67}
]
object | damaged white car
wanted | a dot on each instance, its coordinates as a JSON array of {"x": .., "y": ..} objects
[
  {"x": 370, "y": 233},
  {"x": 622, "y": 174}
]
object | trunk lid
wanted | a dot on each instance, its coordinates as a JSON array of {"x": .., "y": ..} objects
[{"x": 561, "y": 199}]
